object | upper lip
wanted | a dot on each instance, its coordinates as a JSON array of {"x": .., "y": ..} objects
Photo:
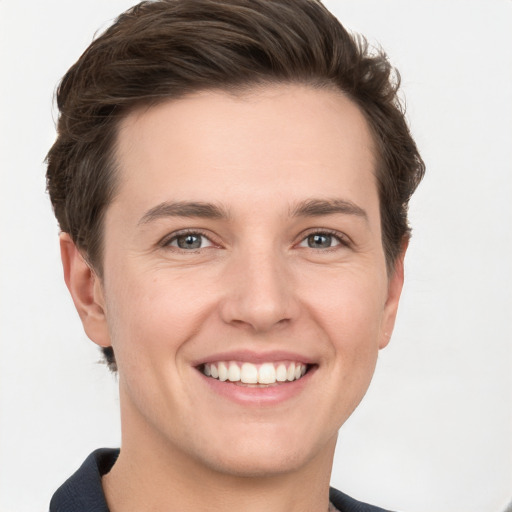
[{"x": 255, "y": 357}]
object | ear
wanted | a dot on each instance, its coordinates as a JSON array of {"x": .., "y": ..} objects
[
  {"x": 86, "y": 290},
  {"x": 395, "y": 285}
]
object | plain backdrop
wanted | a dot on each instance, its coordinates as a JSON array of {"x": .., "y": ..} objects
[{"x": 434, "y": 433}]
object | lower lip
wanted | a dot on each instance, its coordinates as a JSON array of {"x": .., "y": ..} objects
[{"x": 258, "y": 395}]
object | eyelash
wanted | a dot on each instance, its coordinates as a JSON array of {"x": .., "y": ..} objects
[
  {"x": 341, "y": 238},
  {"x": 166, "y": 242}
]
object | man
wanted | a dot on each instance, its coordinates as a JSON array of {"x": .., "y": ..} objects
[{"x": 231, "y": 178}]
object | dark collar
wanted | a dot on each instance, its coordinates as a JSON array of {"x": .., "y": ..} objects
[
  {"x": 345, "y": 503},
  {"x": 83, "y": 492}
]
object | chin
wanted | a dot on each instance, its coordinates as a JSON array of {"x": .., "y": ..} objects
[
  {"x": 258, "y": 465},
  {"x": 264, "y": 455}
]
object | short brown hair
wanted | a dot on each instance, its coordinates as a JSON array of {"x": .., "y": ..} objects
[{"x": 165, "y": 49}]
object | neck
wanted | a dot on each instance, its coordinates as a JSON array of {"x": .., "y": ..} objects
[{"x": 153, "y": 474}]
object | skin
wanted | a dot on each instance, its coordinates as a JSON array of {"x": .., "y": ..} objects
[{"x": 257, "y": 284}]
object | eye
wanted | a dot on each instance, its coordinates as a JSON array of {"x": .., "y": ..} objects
[
  {"x": 189, "y": 241},
  {"x": 322, "y": 240}
]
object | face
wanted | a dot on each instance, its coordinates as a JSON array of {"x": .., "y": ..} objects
[{"x": 245, "y": 289}]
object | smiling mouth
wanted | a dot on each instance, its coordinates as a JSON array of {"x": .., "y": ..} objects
[{"x": 255, "y": 374}]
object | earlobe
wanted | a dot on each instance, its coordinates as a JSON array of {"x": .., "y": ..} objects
[
  {"x": 86, "y": 291},
  {"x": 395, "y": 285}
]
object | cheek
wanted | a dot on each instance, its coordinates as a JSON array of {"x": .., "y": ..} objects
[
  {"x": 349, "y": 306},
  {"x": 151, "y": 319},
  {"x": 348, "y": 310},
  {"x": 151, "y": 315}
]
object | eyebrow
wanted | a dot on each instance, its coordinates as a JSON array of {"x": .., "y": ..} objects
[
  {"x": 184, "y": 209},
  {"x": 319, "y": 207},
  {"x": 307, "y": 208}
]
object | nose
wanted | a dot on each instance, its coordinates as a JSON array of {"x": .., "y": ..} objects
[{"x": 259, "y": 292}]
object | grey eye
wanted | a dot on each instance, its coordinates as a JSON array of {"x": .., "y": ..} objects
[
  {"x": 189, "y": 241},
  {"x": 319, "y": 241}
]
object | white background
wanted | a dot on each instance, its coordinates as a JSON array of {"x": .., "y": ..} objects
[{"x": 434, "y": 433}]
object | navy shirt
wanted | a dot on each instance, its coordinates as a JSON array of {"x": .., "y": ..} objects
[{"x": 83, "y": 492}]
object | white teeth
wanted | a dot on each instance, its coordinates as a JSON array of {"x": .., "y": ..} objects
[
  {"x": 267, "y": 374},
  {"x": 223, "y": 372},
  {"x": 233, "y": 372},
  {"x": 290, "y": 374},
  {"x": 281, "y": 373},
  {"x": 248, "y": 373}
]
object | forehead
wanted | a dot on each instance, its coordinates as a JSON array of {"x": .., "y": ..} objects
[{"x": 272, "y": 145}]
